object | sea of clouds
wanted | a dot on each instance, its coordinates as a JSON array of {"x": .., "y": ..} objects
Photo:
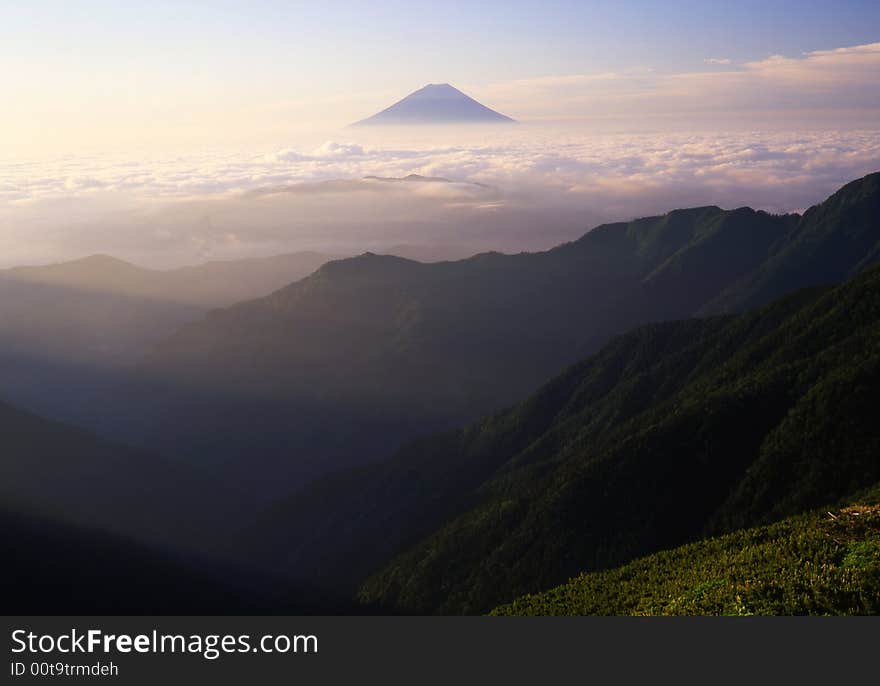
[{"x": 514, "y": 188}]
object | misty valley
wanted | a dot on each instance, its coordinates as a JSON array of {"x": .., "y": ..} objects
[{"x": 574, "y": 430}]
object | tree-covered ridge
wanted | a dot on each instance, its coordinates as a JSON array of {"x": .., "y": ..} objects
[
  {"x": 821, "y": 563},
  {"x": 672, "y": 432},
  {"x": 831, "y": 242}
]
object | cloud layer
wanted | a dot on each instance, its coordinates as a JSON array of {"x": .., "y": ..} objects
[{"x": 539, "y": 186}]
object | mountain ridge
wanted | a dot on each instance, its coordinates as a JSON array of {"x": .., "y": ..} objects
[
  {"x": 68, "y": 329},
  {"x": 210, "y": 284},
  {"x": 394, "y": 349}
]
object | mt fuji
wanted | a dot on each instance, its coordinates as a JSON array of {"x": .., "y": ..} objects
[{"x": 436, "y": 103}]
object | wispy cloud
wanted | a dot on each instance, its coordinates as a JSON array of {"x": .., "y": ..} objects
[{"x": 819, "y": 87}]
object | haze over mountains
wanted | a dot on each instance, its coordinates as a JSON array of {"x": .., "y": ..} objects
[
  {"x": 438, "y": 104},
  {"x": 292, "y": 413},
  {"x": 64, "y": 327},
  {"x": 101, "y": 309},
  {"x": 341, "y": 367},
  {"x": 212, "y": 284}
]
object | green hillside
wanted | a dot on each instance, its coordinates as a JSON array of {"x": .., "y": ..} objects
[
  {"x": 831, "y": 242},
  {"x": 670, "y": 433},
  {"x": 823, "y": 563}
]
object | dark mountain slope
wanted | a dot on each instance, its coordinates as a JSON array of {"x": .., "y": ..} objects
[
  {"x": 342, "y": 367},
  {"x": 721, "y": 255},
  {"x": 53, "y": 470},
  {"x": 832, "y": 242},
  {"x": 707, "y": 434},
  {"x": 62, "y": 570},
  {"x": 819, "y": 564}
]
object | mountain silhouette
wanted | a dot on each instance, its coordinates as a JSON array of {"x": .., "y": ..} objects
[
  {"x": 436, "y": 103},
  {"x": 343, "y": 367},
  {"x": 207, "y": 285},
  {"x": 65, "y": 328}
]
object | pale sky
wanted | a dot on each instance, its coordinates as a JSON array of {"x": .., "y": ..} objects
[
  {"x": 100, "y": 74},
  {"x": 151, "y": 130}
]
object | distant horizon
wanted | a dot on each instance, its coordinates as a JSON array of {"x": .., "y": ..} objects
[
  {"x": 165, "y": 75},
  {"x": 146, "y": 132}
]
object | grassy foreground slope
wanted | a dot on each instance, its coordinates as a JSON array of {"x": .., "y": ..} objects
[{"x": 823, "y": 563}]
